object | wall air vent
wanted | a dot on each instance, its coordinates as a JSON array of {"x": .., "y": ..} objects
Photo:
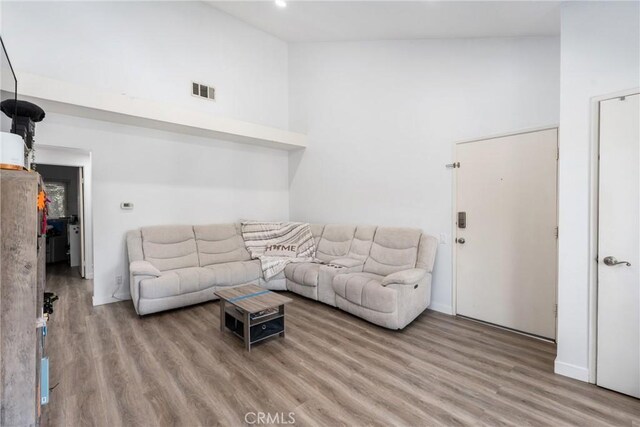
[{"x": 203, "y": 91}]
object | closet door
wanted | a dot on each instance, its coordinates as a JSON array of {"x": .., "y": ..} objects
[
  {"x": 506, "y": 241},
  {"x": 618, "y": 348}
]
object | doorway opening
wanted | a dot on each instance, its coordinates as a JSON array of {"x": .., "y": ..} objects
[
  {"x": 64, "y": 189},
  {"x": 66, "y": 173}
]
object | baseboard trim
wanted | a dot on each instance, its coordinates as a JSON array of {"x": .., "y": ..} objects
[
  {"x": 572, "y": 371},
  {"x": 101, "y": 300},
  {"x": 442, "y": 308}
]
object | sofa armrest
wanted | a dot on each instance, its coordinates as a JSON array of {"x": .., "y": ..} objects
[
  {"x": 405, "y": 277},
  {"x": 346, "y": 262},
  {"x": 143, "y": 268}
]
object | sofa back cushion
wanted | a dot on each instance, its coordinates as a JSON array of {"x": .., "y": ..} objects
[
  {"x": 316, "y": 230},
  {"x": 219, "y": 243},
  {"x": 134, "y": 246},
  {"x": 169, "y": 247},
  {"x": 393, "y": 249},
  {"x": 362, "y": 240},
  {"x": 427, "y": 252},
  {"x": 335, "y": 242}
]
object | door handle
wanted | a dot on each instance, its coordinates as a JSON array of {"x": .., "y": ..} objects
[
  {"x": 460, "y": 240},
  {"x": 611, "y": 261}
]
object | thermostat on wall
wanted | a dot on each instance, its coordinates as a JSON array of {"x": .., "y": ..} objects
[{"x": 126, "y": 205}]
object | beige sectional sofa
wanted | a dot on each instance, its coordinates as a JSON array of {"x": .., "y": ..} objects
[{"x": 381, "y": 274}]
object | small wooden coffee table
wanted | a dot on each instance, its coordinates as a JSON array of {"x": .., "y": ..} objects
[{"x": 252, "y": 313}]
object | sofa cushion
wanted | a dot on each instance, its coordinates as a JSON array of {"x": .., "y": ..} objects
[
  {"x": 366, "y": 290},
  {"x": 405, "y": 277},
  {"x": 303, "y": 273},
  {"x": 316, "y": 230},
  {"x": 346, "y": 262},
  {"x": 427, "y": 252},
  {"x": 276, "y": 283},
  {"x": 194, "y": 279},
  {"x": 220, "y": 243},
  {"x": 234, "y": 273},
  {"x": 143, "y": 268},
  {"x": 304, "y": 290},
  {"x": 362, "y": 241},
  {"x": 393, "y": 249},
  {"x": 169, "y": 247},
  {"x": 335, "y": 241},
  {"x": 176, "y": 282},
  {"x": 134, "y": 246}
]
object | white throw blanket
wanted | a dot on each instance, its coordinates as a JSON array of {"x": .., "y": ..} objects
[{"x": 277, "y": 244}]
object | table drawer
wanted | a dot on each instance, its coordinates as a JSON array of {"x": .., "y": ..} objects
[
  {"x": 266, "y": 329},
  {"x": 234, "y": 324}
]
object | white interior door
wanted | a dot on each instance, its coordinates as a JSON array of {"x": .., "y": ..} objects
[
  {"x": 506, "y": 256},
  {"x": 618, "y": 344}
]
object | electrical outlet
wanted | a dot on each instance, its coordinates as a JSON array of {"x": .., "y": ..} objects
[{"x": 119, "y": 280}]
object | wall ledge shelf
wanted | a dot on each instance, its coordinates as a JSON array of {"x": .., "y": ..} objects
[{"x": 75, "y": 100}]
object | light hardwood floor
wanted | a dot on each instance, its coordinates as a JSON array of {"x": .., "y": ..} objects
[{"x": 114, "y": 368}]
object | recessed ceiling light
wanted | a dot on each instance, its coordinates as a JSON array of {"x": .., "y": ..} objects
[{"x": 281, "y": 3}]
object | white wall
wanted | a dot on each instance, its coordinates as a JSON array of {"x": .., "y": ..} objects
[
  {"x": 171, "y": 179},
  {"x": 153, "y": 50},
  {"x": 382, "y": 118},
  {"x": 600, "y": 54}
]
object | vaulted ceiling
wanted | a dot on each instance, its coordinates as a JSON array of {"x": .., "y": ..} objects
[{"x": 313, "y": 21}]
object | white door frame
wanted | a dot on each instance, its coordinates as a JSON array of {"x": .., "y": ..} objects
[
  {"x": 594, "y": 179},
  {"x": 454, "y": 246},
  {"x": 73, "y": 157}
]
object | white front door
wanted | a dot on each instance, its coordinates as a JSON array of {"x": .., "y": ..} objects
[
  {"x": 506, "y": 254},
  {"x": 618, "y": 344}
]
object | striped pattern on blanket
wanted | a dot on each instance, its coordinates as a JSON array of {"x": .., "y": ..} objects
[{"x": 277, "y": 244}]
